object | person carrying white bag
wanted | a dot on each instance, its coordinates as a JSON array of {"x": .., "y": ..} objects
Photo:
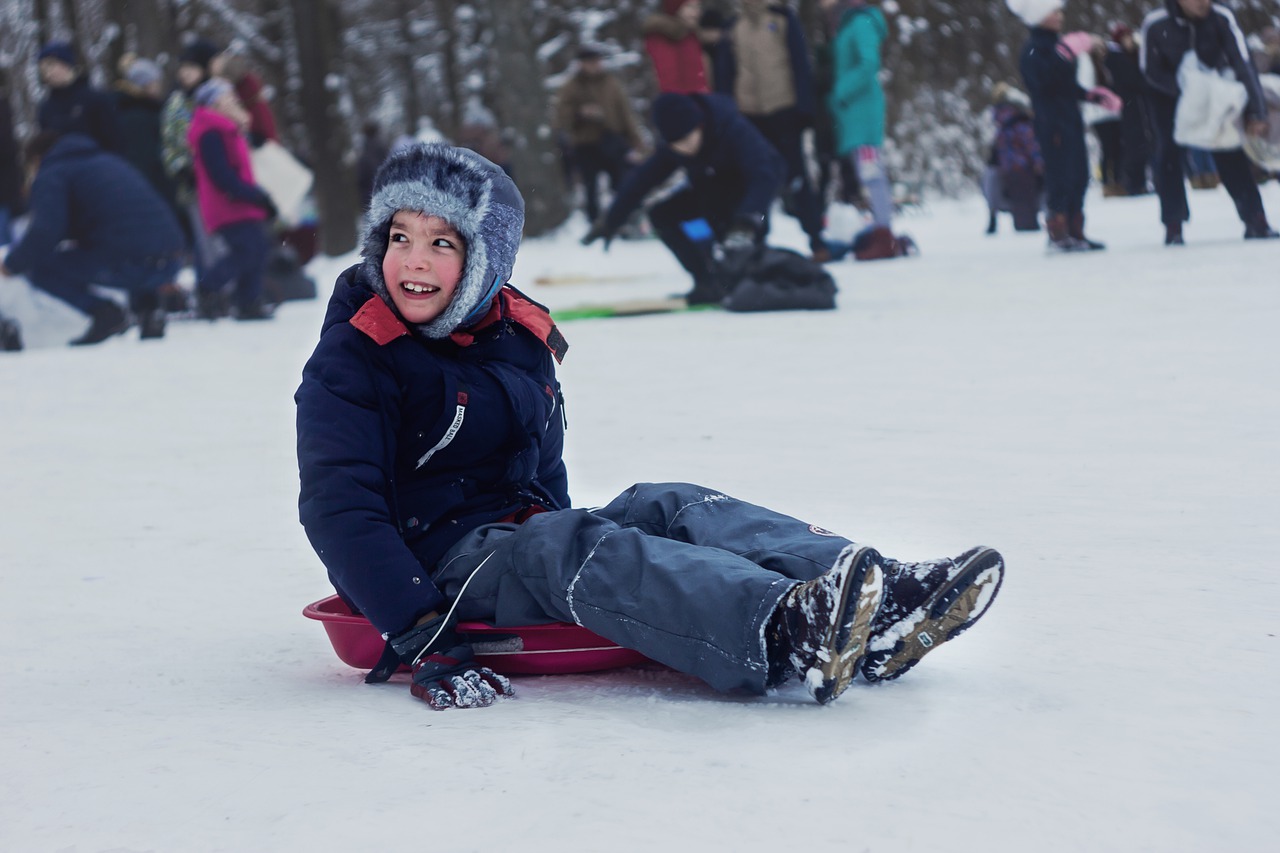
[{"x": 1203, "y": 91}]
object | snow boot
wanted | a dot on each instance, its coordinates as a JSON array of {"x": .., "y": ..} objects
[
  {"x": 10, "y": 335},
  {"x": 1260, "y": 229},
  {"x": 1173, "y": 234},
  {"x": 926, "y": 604},
  {"x": 1076, "y": 229},
  {"x": 211, "y": 305},
  {"x": 819, "y": 629},
  {"x": 108, "y": 319},
  {"x": 709, "y": 290},
  {"x": 256, "y": 310},
  {"x": 1059, "y": 239},
  {"x": 991, "y": 223},
  {"x": 151, "y": 317}
]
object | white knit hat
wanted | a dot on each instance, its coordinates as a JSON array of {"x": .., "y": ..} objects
[{"x": 1032, "y": 12}]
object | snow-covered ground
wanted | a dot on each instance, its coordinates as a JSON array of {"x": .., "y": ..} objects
[{"x": 1108, "y": 421}]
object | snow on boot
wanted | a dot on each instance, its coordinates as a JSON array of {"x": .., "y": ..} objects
[
  {"x": 108, "y": 319},
  {"x": 820, "y": 628},
  {"x": 1076, "y": 229},
  {"x": 926, "y": 604},
  {"x": 1059, "y": 239}
]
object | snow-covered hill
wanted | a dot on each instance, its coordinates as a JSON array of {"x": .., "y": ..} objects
[{"x": 1108, "y": 421}]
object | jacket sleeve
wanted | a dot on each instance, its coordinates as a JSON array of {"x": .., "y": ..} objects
[
  {"x": 49, "y": 223},
  {"x": 218, "y": 166},
  {"x": 1241, "y": 63},
  {"x": 801, "y": 66},
  {"x": 1157, "y": 67},
  {"x": 1053, "y": 75},
  {"x": 724, "y": 64},
  {"x": 345, "y": 458},
  {"x": 639, "y": 182}
]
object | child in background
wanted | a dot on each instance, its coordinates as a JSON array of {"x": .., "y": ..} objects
[{"x": 232, "y": 205}]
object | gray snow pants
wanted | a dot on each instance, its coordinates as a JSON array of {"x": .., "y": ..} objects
[{"x": 685, "y": 575}]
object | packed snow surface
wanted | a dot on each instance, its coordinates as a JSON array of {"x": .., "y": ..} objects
[{"x": 1108, "y": 421}]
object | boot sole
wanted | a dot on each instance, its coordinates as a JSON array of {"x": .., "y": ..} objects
[
  {"x": 860, "y": 595},
  {"x": 950, "y": 612}
]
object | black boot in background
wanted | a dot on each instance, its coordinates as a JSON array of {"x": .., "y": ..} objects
[
  {"x": 108, "y": 319},
  {"x": 151, "y": 316}
]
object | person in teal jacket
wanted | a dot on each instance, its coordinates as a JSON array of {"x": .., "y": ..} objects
[{"x": 857, "y": 100}]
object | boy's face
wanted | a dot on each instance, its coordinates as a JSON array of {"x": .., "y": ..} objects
[
  {"x": 423, "y": 265},
  {"x": 55, "y": 73},
  {"x": 189, "y": 74}
]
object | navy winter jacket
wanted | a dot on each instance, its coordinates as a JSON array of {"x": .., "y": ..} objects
[
  {"x": 735, "y": 160},
  {"x": 95, "y": 198},
  {"x": 406, "y": 444},
  {"x": 1167, "y": 35},
  {"x": 80, "y": 108},
  {"x": 1055, "y": 94}
]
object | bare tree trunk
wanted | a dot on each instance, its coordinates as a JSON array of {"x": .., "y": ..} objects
[
  {"x": 520, "y": 103},
  {"x": 319, "y": 36},
  {"x": 405, "y": 10},
  {"x": 451, "y": 115}
]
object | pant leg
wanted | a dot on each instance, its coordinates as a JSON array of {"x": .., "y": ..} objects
[
  {"x": 244, "y": 261},
  {"x": 701, "y": 610},
  {"x": 1167, "y": 160},
  {"x": 1237, "y": 176},
  {"x": 589, "y": 167},
  {"x": 873, "y": 177},
  {"x": 667, "y": 218},
  {"x": 1111, "y": 147},
  {"x": 785, "y": 133},
  {"x": 67, "y": 275}
]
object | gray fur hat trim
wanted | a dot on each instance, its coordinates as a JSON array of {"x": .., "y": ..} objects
[{"x": 471, "y": 194}]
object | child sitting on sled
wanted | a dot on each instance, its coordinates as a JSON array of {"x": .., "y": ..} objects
[{"x": 430, "y": 432}]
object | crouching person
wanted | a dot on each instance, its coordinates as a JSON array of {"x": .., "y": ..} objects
[
  {"x": 434, "y": 490},
  {"x": 96, "y": 220}
]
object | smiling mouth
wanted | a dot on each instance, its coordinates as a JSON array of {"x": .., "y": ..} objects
[{"x": 419, "y": 289}]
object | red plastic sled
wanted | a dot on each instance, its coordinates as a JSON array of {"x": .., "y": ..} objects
[{"x": 555, "y": 649}]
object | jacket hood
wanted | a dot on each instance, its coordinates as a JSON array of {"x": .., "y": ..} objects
[
  {"x": 73, "y": 145},
  {"x": 471, "y": 194}
]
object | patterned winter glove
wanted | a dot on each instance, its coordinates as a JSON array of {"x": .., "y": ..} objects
[
  {"x": 445, "y": 674},
  {"x": 1105, "y": 98},
  {"x": 1075, "y": 44},
  {"x": 451, "y": 679}
]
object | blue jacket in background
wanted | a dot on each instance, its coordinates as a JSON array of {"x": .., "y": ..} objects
[
  {"x": 406, "y": 444},
  {"x": 95, "y": 198},
  {"x": 735, "y": 169},
  {"x": 80, "y": 108}
]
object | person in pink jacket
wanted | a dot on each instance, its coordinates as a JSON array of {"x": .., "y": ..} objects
[{"x": 232, "y": 205}]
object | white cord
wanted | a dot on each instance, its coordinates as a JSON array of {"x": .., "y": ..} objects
[{"x": 447, "y": 616}]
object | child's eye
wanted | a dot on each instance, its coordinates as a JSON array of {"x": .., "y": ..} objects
[
  {"x": 441, "y": 241},
  {"x": 399, "y": 238}
]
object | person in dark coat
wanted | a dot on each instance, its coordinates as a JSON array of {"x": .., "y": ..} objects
[
  {"x": 1048, "y": 65},
  {"x": 762, "y": 62},
  {"x": 1127, "y": 82},
  {"x": 1212, "y": 32},
  {"x": 122, "y": 234},
  {"x": 139, "y": 102},
  {"x": 1016, "y": 180},
  {"x": 434, "y": 489},
  {"x": 72, "y": 104},
  {"x": 594, "y": 115},
  {"x": 714, "y": 223},
  {"x": 11, "y": 195}
]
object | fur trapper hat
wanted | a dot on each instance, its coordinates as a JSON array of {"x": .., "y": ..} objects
[
  {"x": 1032, "y": 12},
  {"x": 471, "y": 194}
]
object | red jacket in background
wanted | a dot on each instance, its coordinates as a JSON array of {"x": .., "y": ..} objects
[
  {"x": 262, "y": 122},
  {"x": 677, "y": 55}
]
